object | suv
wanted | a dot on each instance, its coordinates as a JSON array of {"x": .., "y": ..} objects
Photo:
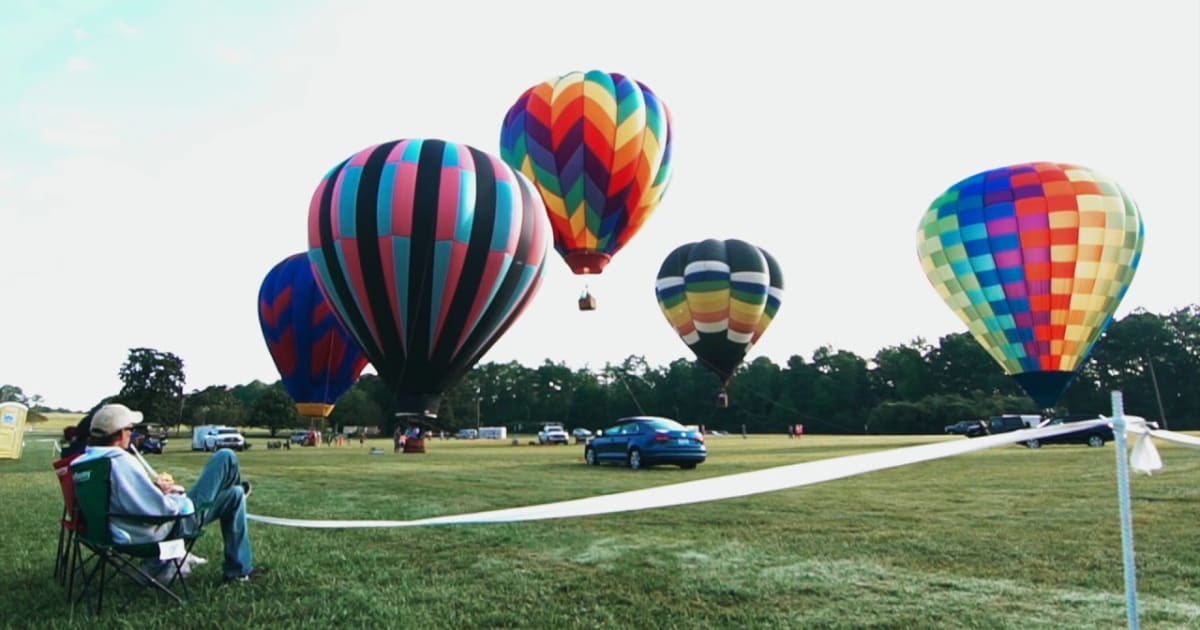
[
  {"x": 965, "y": 427},
  {"x": 1003, "y": 424},
  {"x": 1092, "y": 436},
  {"x": 211, "y": 438},
  {"x": 553, "y": 434}
]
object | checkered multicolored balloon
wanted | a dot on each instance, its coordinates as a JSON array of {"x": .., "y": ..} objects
[
  {"x": 598, "y": 147},
  {"x": 719, "y": 296},
  {"x": 1034, "y": 258}
]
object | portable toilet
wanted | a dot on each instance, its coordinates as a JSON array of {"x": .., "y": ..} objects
[{"x": 12, "y": 429}]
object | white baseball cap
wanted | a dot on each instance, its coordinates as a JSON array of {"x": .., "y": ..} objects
[{"x": 112, "y": 418}]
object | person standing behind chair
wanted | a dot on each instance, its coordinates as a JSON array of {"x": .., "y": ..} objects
[{"x": 220, "y": 491}]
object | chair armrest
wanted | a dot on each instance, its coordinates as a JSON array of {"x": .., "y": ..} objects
[{"x": 149, "y": 518}]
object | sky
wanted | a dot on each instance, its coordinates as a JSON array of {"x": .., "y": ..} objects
[{"x": 158, "y": 158}]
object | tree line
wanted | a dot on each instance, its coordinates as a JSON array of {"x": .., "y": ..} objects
[{"x": 917, "y": 387}]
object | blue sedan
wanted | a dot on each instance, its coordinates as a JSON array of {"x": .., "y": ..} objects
[{"x": 643, "y": 441}]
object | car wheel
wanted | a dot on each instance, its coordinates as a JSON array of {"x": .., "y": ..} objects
[
  {"x": 589, "y": 455},
  {"x": 635, "y": 459},
  {"x": 1033, "y": 443},
  {"x": 1095, "y": 441}
]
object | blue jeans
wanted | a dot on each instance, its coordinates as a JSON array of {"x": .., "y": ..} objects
[{"x": 218, "y": 494}]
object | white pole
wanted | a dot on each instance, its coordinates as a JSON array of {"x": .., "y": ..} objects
[{"x": 1118, "y": 416}]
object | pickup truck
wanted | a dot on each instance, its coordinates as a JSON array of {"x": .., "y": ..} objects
[
  {"x": 212, "y": 437},
  {"x": 553, "y": 434}
]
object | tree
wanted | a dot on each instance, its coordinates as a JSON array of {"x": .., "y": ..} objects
[
  {"x": 153, "y": 384},
  {"x": 754, "y": 391},
  {"x": 248, "y": 393},
  {"x": 355, "y": 408},
  {"x": 274, "y": 410},
  {"x": 902, "y": 372},
  {"x": 843, "y": 388},
  {"x": 12, "y": 393},
  {"x": 213, "y": 405},
  {"x": 959, "y": 365}
]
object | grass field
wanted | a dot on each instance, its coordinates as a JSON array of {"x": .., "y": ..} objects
[{"x": 1005, "y": 538}]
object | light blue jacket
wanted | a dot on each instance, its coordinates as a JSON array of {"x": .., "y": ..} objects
[{"x": 133, "y": 491}]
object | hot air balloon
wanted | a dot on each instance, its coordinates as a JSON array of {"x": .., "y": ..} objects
[
  {"x": 720, "y": 296},
  {"x": 598, "y": 147},
  {"x": 317, "y": 360},
  {"x": 428, "y": 252},
  {"x": 1034, "y": 258}
]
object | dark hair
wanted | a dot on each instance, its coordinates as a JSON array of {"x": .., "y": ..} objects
[
  {"x": 79, "y": 437},
  {"x": 104, "y": 440}
]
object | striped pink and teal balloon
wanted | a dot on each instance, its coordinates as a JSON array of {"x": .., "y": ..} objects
[
  {"x": 719, "y": 296},
  {"x": 428, "y": 252},
  {"x": 598, "y": 147},
  {"x": 1034, "y": 259}
]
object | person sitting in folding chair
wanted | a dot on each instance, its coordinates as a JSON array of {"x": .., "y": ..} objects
[{"x": 136, "y": 489}]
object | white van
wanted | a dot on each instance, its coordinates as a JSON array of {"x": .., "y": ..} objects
[{"x": 210, "y": 437}]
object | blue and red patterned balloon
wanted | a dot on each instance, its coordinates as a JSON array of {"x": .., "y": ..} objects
[
  {"x": 317, "y": 360},
  {"x": 429, "y": 251}
]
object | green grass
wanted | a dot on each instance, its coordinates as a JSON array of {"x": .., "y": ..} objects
[
  {"x": 56, "y": 421},
  {"x": 1005, "y": 538}
]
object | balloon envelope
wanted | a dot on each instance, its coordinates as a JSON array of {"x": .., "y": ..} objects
[
  {"x": 428, "y": 251},
  {"x": 598, "y": 147},
  {"x": 317, "y": 360},
  {"x": 720, "y": 296},
  {"x": 1034, "y": 258}
]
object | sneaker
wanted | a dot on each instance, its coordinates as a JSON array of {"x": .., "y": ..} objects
[
  {"x": 254, "y": 574},
  {"x": 246, "y": 489}
]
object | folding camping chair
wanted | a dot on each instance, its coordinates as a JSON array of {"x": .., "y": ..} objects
[
  {"x": 67, "y": 523},
  {"x": 93, "y": 487}
]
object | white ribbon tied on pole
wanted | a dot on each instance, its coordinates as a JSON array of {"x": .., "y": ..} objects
[{"x": 1144, "y": 458}]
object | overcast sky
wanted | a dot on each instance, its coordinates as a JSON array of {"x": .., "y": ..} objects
[{"x": 157, "y": 158}]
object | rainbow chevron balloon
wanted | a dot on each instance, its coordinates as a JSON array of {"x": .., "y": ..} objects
[
  {"x": 719, "y": 296},
  {"x": 1034, "y": 258},
  {"x": 598, "y": 147}
]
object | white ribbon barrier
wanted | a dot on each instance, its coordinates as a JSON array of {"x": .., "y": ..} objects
[
  {"x": 761, "y": 481},
  {"x": 1143, "y": 457}
]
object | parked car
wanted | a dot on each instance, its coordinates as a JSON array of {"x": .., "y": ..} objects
[
  {"x": 553, "y": 434},
  {"x": 298, "y": 437},
  {"x": 1003, "y": 424},
  {"x": 156, "y": 430},
  {"x": 148, "y": 444},
  {"x": 1092, "y": 436},
  {"x": 965, "y": 427},
  {"x": 581, "y": 435},
  {"x": 212, "y": 437},
  {"x": 642, "y": 441},
  {"x": 467, "y": 434}
]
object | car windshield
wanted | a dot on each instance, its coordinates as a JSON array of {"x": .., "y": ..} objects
[
  {"x": 226, "y": 431},
  {"x": 669, "y": 425}
]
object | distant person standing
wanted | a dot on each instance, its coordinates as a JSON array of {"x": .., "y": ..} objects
[
  {"x": 743, "y": 431},
  {"x": 791, "y": 431}
]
